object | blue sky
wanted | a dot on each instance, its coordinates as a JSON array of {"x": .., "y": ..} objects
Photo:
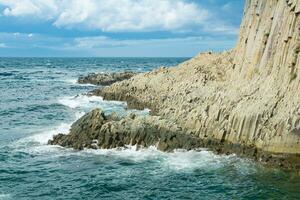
[{"x": 117, "y": 28}]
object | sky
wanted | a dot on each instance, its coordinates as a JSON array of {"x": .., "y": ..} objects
[{"x": 117, "y": 28}]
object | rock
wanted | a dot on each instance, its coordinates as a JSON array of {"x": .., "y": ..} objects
[
  {"x": 105, "y": 78},
  {"x": 82, "y": 131},
  {"x": 251, "y": 91},
  {"x": 95, "y": 130}
]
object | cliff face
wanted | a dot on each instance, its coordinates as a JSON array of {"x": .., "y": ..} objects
[
  {"x": 267, "y": 60},
  {"x": 269, "y": 42},
  {"x": 247, "y": 97}
]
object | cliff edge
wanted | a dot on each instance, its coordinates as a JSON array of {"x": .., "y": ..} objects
[{"x": 246, "y": 98}]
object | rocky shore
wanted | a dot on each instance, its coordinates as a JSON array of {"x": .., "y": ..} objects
[
  {"x": 244, "y": 101},
  {"x": 97, "y": 130},
  {"x": 105, "y": 79}
]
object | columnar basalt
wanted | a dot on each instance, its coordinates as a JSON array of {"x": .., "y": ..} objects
[
  {"x": 96, "y": 130},
  {"x": 247, "y": 97}
]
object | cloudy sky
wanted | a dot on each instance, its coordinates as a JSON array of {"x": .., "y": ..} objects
[{"x": 106, "y": 28}]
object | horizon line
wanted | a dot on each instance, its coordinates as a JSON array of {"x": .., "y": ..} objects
[{"x": 96, "y": 57}]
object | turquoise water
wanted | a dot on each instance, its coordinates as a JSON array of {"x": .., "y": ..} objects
[{"x": 40, "y": 97}]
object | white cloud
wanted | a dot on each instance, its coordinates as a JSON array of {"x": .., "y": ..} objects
[
  {"x": 45, "y": 9},
  {"x": 185, "y": 46},
  {"x": 111, "y": 15},
  {"x": 106, "y": 42},
  {"x": 106, "y": 46}
]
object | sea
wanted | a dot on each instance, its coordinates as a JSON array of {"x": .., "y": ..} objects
[{"x": 40, "y": 97}]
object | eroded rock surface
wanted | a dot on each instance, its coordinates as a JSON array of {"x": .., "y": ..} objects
[
  {"x": 244, "y": 101},
  {"x": 95, "y": 130},
  {"x": 248, "y": 97},
  {"x": 105, "y": 78}
]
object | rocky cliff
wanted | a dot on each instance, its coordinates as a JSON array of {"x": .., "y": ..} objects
[{"x": 246, "y": 98}]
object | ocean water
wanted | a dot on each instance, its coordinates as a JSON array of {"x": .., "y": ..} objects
[{"x": 40, "y": 97}]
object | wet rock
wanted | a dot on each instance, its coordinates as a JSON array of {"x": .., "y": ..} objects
[
  {"x": 105, "y": 79},
  {"x": 95, "y": 130}
]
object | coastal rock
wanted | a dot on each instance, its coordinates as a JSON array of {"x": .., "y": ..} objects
[
  {"x": 105, "y": 79},
  {"x": 95, "y": 130},
  {"x": 247, "y": 97}
]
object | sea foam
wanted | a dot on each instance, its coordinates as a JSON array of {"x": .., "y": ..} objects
[
  {"x": 178, "y": 160},
  {"x": 75, "y": 82},
  {"x": 85, "y": 101}
]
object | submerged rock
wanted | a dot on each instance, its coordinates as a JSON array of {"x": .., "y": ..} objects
[
  {"x": 105, "y": 78},
  {"x": 96, "y": 130}
]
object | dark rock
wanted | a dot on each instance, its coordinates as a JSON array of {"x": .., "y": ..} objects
[
  {"x": 95, "y": 130},
  {"x": 105, "y": 79}
]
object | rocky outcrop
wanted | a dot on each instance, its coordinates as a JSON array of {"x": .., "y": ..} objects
[
  {"x": 248, "y": 97},
  {"x": 105, "y": 79},
  {"x": 96, "y": 130}
]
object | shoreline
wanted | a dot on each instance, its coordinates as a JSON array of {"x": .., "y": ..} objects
[
  {"x": 219, "y": 147},
  {"x": 244, "y": 101}
]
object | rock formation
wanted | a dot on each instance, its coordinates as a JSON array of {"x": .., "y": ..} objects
[
  {"x": 96, "y": 130},
  {"x": 247, "y": 97},
  {"x": 105, "y": 79},
  {"x": 244, "y": 101}
]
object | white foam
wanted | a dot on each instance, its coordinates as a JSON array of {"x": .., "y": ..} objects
[
  {"x": 191, "y": 160},
  {"x": 129, "y": 152},
  {"x": 44, "y": 149},
  {"x": 85, "y": 101},
  {"x": 37, "y": 144},
  {"x": 43, "y": 136},
  {"x": 179, "y": 160},
  {"x": 75, "y": 82},
  {"x": 71, "y": 81}
]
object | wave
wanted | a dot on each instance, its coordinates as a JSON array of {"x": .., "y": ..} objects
[
  {"x": 43, "y": 137},
  {"x": 38, "y": 141},
  {"x": 75, "y": 82},
  {"x": 79, "y": 104},
  {"x": 77, "y": 101},
  {"x": 85, "y": 101},
  {"x": 88, "y": 103},
  {"x": 196, "y": 159},
  {"x": 179, "y": 160},
  {"x": 129, "y": 152}
]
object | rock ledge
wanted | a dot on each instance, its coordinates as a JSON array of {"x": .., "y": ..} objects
[
  {"x": 105, "y": 79},
  {"x": 96, "y": 130}
]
